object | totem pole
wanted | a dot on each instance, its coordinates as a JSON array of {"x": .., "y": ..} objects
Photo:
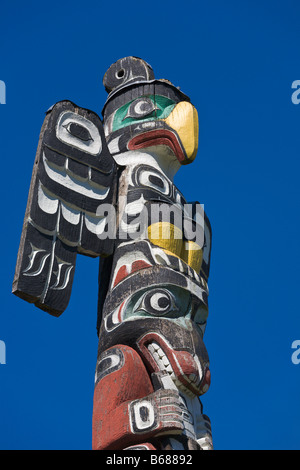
[{"x": 106, "y": 190}]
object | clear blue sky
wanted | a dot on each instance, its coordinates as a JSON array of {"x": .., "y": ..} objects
[{"x": 237, "y": 61}]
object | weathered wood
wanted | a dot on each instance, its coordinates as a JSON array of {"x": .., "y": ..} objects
[
  {"x": 109, "y": 192},
  {"x": 73, "y": 174},
  {"x": 156, "y": 299}
]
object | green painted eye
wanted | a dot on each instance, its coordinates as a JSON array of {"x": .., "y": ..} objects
[
  {"x": 140, "y": 108},
  {"x": 144, "y": 108},
  {"x": 157, "y": 302},
  {"x": 170, "y": 302}
]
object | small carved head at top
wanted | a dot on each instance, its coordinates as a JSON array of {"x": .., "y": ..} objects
[{"x": 142, "y": 112}]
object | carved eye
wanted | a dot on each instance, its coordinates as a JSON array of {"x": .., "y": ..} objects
[
  {"x": 154, "y": 180},
  {"x": 79, "y": 131},
  {"x": 157, "y": 302},
  {"x": 140, "y": 108}
]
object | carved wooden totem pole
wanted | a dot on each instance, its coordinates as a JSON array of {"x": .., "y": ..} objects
[{"x": 106, "y": 190}]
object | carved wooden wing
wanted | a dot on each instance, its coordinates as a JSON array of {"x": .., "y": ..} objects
[{"x": 74, "y": 175}]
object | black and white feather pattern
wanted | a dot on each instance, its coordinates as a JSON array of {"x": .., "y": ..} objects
[{"x": 73, "y": 176}]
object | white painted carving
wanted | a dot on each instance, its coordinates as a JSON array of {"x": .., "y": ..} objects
[
  {"x": 47, "y": 203},
  {"x": 62, "y": 177},
  {"x": 92, "y": 146},
  {"x": 142, "y": 422}
]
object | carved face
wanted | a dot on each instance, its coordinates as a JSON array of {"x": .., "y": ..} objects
[
  {"x": 164, "y": 324},
  {"x": 153, "y": 120}
]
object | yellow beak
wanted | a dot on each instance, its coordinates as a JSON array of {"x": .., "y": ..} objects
[{"x": 184, "y": 120}]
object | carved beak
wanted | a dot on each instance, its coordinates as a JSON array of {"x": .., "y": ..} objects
[{"x": 184, "y": 120}]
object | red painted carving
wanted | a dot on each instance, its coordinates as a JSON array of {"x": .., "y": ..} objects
[
  {"x": 127, "y": 411},
  {"x": 158, "y": 137}
]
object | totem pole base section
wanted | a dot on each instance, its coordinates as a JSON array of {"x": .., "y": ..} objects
[
  {"x": 128, "y": 413},
  {"x": 121, "y": 377}
]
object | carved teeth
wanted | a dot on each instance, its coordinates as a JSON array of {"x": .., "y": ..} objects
[
  {"x": 161, "y": 353},
  {"x": 164, "y": 365},
  {"x": 165, "y": 361},
  {"x": 160, "y": 358},
  {"x": 151, "y": 348}
]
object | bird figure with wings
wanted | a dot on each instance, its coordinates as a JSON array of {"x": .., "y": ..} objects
[{"x": 104, "y": 188}]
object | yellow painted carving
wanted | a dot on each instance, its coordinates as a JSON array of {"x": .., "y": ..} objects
[
  {"x": 170, "y": 238},
  {"x": 184, "y": 120},
  {"x": 192, "y": 254},
  {"x": 167, "y": 236}
]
